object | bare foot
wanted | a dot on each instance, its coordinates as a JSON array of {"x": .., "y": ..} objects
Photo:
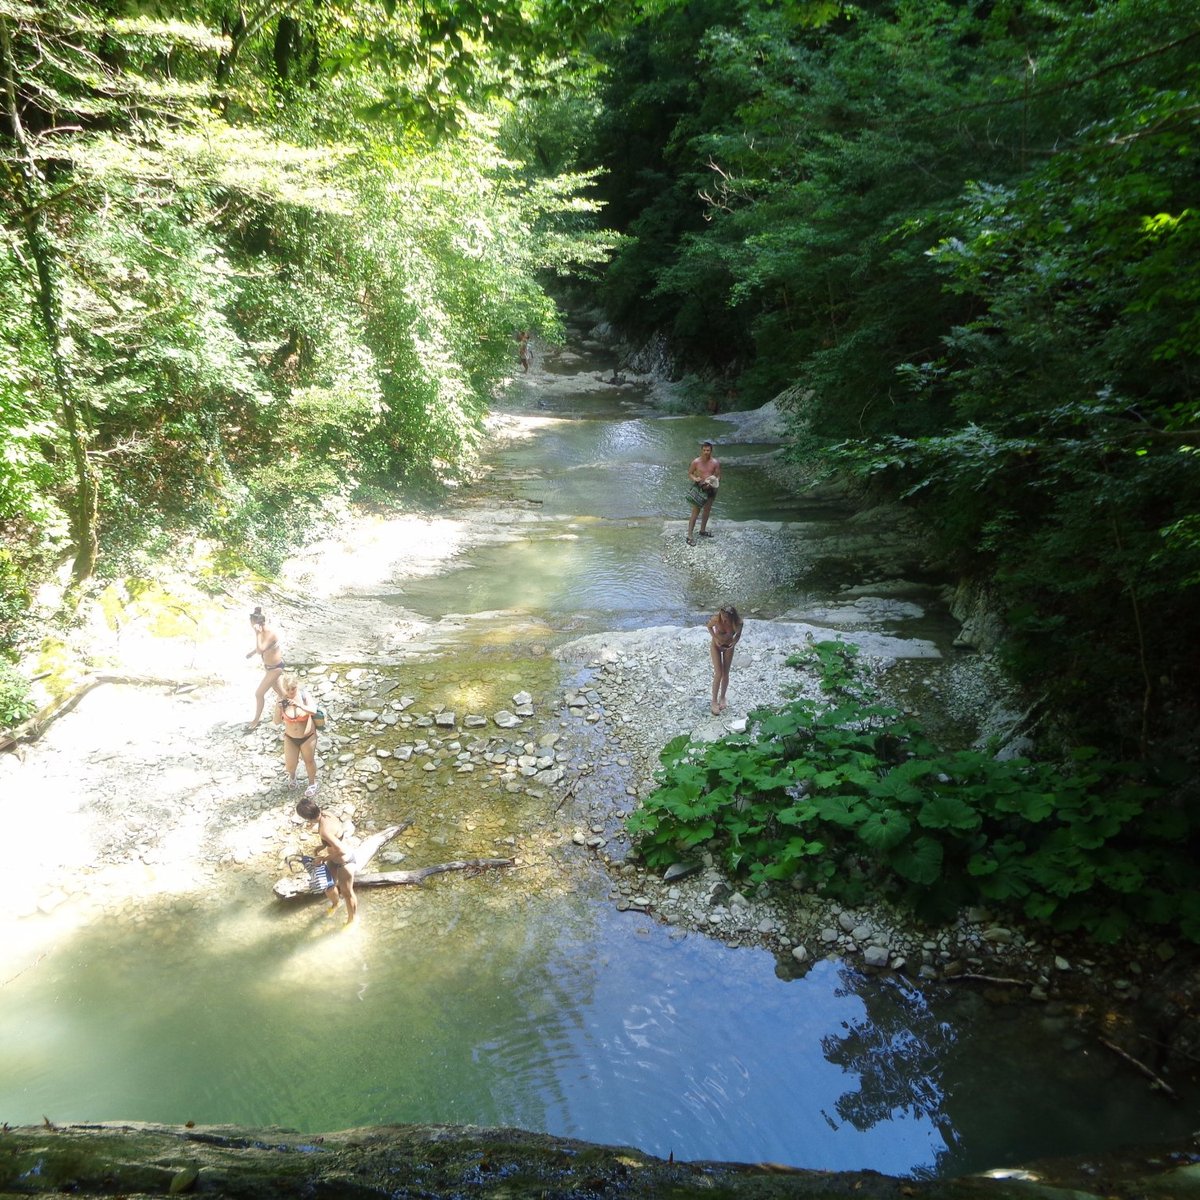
[
  {"x": 251, "y": 726},
  {"x": 716, "y": 712},
  {"x": 723, "y": 706}
]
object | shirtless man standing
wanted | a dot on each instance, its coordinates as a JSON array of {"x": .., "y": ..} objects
[{"x": 705, "y": 474}]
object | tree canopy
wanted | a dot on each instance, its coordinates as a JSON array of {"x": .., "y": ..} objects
[
  {"x": 259, "y": 261},
  {"x": 958, "y": 238}
]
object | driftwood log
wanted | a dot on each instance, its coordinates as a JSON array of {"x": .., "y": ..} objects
[
  {"x": 33, "y": 729},
  {"x": 293, "y": 887}
]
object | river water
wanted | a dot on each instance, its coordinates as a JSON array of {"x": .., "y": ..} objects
[{"x": 525, "y": 998}]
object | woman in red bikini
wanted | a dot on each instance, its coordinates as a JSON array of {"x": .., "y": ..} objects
[
  {"x": 295, "y": 712},
  {"x": 266, "y": 643}
]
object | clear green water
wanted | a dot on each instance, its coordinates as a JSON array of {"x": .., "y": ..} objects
[{"x": 524, "y": 998}]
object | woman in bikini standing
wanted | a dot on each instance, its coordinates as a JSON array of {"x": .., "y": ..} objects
[
  {"x": 295, "y": 712},
  {"x": 725, "y": 629},
  {"x": 266, "y": 643}
]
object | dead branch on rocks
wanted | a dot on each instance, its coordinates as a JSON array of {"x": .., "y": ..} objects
[
  {"x": 567, "y": 794},
  {"x": 1138, "y": 1065},
  {"x": 967, "y": 977},
  {"x": 293, "y": 886},
  {"x": 420, "y": 874},
  {"x": 37, "y": 725}
]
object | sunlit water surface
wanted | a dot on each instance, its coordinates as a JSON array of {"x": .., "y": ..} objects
[{"x": 527, "y": 999}]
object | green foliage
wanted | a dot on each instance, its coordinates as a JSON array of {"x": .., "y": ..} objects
[
  {"x": 979, "y": 277},
  {"x": 849, "y": 797},
  {"x": 285, "y": 261},
  {"x": 16, "y": 704}
]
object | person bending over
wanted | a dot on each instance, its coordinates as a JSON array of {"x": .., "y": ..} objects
[{"x": 334, "y": 852}]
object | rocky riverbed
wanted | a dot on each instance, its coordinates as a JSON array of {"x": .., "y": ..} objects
[
  {"x": 646, "y": 688},
  {"x": 152, "y": 787}
]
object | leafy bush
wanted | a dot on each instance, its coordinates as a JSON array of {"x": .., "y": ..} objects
[
  {"x": 853, "y": 800},
  {"x": 16, "y": 704}
]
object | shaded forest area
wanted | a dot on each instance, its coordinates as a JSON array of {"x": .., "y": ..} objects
[
  {"x": 263, "y": 264},
  {"x": 960, "y": 238}
]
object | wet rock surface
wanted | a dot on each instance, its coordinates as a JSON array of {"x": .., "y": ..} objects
[{"x": 438, "y": 1161}]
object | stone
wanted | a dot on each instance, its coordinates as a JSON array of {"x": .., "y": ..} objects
[
  {"x": 506, "y": 720},
  {"x": 680, "y": 870}
]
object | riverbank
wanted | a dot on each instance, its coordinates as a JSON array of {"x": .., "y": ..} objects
[
  {"x": 156, "y": 794},
  {"x": 445, "y": 1161}
]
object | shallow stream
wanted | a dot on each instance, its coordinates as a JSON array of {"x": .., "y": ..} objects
[{"x": 524, "y": 998}]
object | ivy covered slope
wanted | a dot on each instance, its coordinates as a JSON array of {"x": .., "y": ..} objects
[
  {"x": 853, "y": 800},
  {"x": 960, "y": 239},
  {"x": 258, "y": 263}
]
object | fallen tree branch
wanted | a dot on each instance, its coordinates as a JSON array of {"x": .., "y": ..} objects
[
  {"x": 567, "y": 794},
  {"x": 292, "y": 886},
  {"x": 37, "y": 725},
  {"x": 420, "y": 874},
  {"x": 1000, "y": 979},
  {"x": 1140, "y": 1066}
]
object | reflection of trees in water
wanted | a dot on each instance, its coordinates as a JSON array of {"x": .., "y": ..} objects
[{"x": 895, "y": 1051}]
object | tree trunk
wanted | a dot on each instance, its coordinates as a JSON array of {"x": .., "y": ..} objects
[{"x": 33, "y": 194}]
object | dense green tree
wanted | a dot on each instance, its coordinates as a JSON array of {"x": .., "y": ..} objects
[
  {"x": 955, "y": 237},
  {"x": 260, "y": 259}
]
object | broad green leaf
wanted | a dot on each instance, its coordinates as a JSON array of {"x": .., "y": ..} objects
[{"x": 884, "y": 830}]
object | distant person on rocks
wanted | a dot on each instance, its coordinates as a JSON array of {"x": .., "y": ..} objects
[
  {"x": 335, "y": 854},
  {"x": 705, "y": 476},
  {"x": 523, "y": 348},
  {"x": 295, "y": 712},
  {"x": 266, "y": 644},
  {"x": 725, "y": 630}
]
